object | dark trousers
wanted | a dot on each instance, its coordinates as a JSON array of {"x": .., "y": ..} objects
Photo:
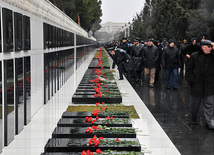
[
  {"x": 136, "y": 74},
  {"x": 208, "y": 108},
  {"x": 157, "y": 73},
  {"x": 174, "y": 73},
  {"x": 120, "y": 69},
  {"x": 196, "y": 100}
]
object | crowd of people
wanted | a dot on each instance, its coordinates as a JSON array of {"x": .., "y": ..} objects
[{"x": 143, "y": 61}]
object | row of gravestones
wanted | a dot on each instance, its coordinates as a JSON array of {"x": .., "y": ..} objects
[
  {"x": 74, "y": 134},
  {"x": 85, "y": 91}
]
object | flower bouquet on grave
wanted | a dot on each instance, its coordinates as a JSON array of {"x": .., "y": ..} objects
[
  {"x": 110, "y": 152},
  {"x": 109, "y": 130}
]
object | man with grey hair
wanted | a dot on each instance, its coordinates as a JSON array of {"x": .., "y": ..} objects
[{"x": 200, "y": 75}]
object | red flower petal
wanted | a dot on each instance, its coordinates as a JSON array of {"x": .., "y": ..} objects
[{"x": 98, "y": 151}]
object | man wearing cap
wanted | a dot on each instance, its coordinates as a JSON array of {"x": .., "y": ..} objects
[
  {"x": 165, "y": 43},
  {"x": 150, "y": 57},
  {"x": 124, "y": 45},
  {"x": 136, "y": 55},
  {"x": 200, "y": 75},
  {"x": 193, "y": 47},
  {"x": 170, "y": 63},
  {"x": 119, "y": 57}
]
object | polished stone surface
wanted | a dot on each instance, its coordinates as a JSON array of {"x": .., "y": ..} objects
[
  {"x": 171, "y": 108},
  {"x": 80, "y": 144}
]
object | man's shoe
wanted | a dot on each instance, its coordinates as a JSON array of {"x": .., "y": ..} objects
[
  {"x": 210, "y": 127},
  {"x": 194, "y": 123},
  {"x": 175, "y": 88},
  {"x": 121, "y": 79},
  {"x": 151, "y": 85},
  {"x": 136, "y": 80}
]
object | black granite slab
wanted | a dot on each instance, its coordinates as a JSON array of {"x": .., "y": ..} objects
[
  {"x": 85, "y": 90},
  {"x": 89, "y": 84},
  {"x": 62, "y": 153},
  {"x": 93, "y": 65},
  {"x": 90, "y": 99},
  {"x": 79, "y": 132},
  {"x": 86, "y": 82},
  {"x": 80, "y": 144},
  {"x": 92, "y": 88},
  {"x": 80, "y": 122},
  {"x": 68, "y": 114},
  {"x": 92, "y": 93},
  {"x": 80, "y": 153}
]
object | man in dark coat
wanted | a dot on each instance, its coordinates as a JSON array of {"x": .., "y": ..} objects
[
  {"x": 136, "y": 56},
  {"x": 193, "y": 47},
  {"x": 124, "y": 45},
  {"x": 119, "y": 57},
  {"x": 183, "y": 57},
  {"x": 158, "y": 67},
  {"x": 170, "y": 63},
  {"x": 165, "y": 43},
  {"x": 200, "y": 75},
  {"x": 150, "y": 58}
]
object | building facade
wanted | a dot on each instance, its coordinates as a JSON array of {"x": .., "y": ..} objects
[{"x": 40, "y": 48}]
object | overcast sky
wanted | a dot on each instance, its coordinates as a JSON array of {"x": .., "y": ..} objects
[{"x": 120, "y": 10}]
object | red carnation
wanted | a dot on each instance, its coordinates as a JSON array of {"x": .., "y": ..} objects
[
  {"x": 90, "y": 131},
  {"x": 98, "y": 151},
  {"x": 87, "y": 130},
  {"x": 94, "y": 121},
  {"x": 97, "y": 117},
  {"x": 83, "y": 152},
  {"x": 94, "y": 127}
]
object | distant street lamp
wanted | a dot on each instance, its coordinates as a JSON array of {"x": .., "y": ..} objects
[{"x": 150, "y": 7}]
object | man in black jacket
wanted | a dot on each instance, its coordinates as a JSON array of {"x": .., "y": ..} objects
[
  {"x": 193, "y": 47},
  {"x": 124, "y": 44},
  {"x": 170, "y": 63},
  {"x": 119, "y": 56},
  {"x": 150, "y": 57},
  {"x": 136, "y": 56},
  {"x": 183, "y": 57},
  {"x": 200, "y": 75}
]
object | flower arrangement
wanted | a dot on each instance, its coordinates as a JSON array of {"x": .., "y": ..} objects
[
  {"x": 107, "y": 120},
  {"x": 88, "y": 152},
  {"x": 109, "y": 130},
  {"x": 95, "y": 141},
  {"x": 109, "y": 152}
]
